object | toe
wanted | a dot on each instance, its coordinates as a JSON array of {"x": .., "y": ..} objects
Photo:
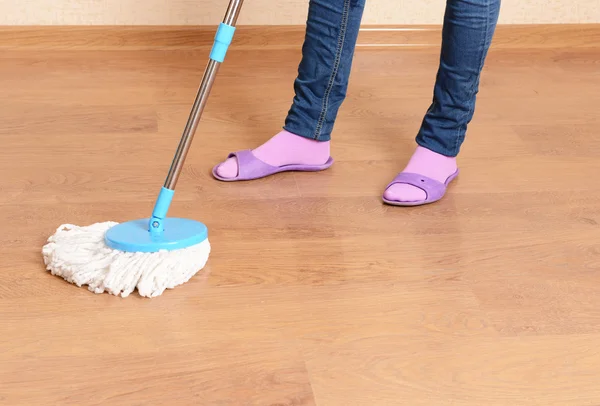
[
  {"x": 404, "y": 193},
  {"x": 228, "y": 169}
]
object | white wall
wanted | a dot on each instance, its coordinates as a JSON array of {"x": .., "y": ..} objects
[{"x": 207, "y": 12}]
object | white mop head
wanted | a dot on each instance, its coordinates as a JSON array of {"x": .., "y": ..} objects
[{"x": 80, "y": 256}]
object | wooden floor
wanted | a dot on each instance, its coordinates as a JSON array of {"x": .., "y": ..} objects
[{"x": 316, "y": 293}]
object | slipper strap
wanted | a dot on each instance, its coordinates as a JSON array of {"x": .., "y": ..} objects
[
  {"x": 249, "y": 166},
  {"x": 433, "y": 189}
]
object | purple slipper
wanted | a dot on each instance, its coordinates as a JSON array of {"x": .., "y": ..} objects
[
  {"x": 250, "y": 167},
  {"x": 434, "y": 190}
]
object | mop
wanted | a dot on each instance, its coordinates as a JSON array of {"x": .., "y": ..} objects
[{"x": 151, "y": 254}]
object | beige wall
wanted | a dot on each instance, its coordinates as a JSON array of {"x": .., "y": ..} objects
[{"x": 183, "y": 12}]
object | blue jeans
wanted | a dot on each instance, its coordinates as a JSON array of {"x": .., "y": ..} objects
[{"x": 331, "y": 33}]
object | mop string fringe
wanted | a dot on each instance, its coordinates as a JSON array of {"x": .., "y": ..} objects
[{"x": 80, "y": 255}]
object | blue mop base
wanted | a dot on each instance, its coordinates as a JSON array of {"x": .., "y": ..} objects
[{"x": 134, "y": 236}]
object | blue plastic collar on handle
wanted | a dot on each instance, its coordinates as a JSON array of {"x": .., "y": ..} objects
[
  {"x": 160, "y": 210},
  {"x": 223, "y": 39}
]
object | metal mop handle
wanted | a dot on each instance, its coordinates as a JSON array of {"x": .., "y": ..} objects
[
  {"x": 223, "y": 38},
  {"x": 230, "y": 19}
]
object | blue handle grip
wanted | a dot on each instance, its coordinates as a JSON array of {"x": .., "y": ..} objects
[
  {"x": 161, "y": 208},
  {"x": 223, "y": 39}
]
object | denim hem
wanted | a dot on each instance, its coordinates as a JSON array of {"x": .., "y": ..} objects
[
  {"x": 435, "y": 148},
  {"x": 309, "y": 135}
]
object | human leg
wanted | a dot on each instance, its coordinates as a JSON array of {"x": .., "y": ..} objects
[
  {"x": 469, "y": 26},
  {"x": 320, "y": 88}
]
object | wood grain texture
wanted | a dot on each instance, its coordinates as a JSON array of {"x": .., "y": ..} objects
[
  {"x": 263, "y": 12},
  {"x": 252, "y": 37},
  {"x": 315, "y": 293}
]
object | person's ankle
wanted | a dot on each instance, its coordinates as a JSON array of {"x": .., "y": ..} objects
[{"x": 286, "y": 148}]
